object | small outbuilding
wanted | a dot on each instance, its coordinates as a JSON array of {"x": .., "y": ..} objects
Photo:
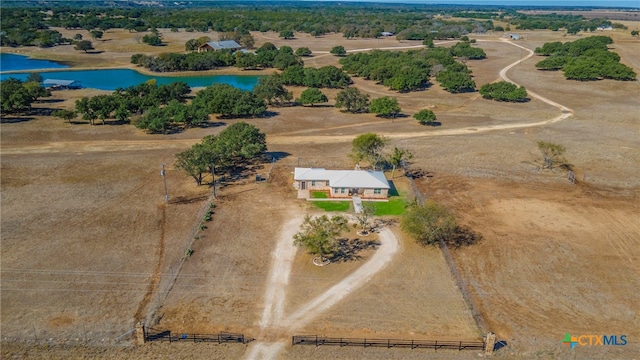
[
  {"x": 56, "y": 84},
  {"x": 341, "y": 183},
  {"x": 386, "y": 33}
]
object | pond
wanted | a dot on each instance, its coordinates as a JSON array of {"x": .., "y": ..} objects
[
  {"x": 111, "y": 79},
  {"x": 13, "y": 62}
]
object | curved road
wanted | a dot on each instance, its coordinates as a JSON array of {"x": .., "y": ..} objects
[
  {"x": 119, "y": 145},
  {"x": 273, "y": 318}
]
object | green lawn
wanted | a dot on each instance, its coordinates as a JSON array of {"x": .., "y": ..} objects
[
  {"x": 333, "y": 205},
  {"x": 395, "y": 206},
  {"x": 319, "y": 195}
]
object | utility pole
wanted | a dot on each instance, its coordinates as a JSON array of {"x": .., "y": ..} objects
[{"x": 164, "y": 179}]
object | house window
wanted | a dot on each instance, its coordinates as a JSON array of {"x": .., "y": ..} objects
[
  {"x": 376, "y": 191},
  {"x": 342, "y": 190},
  {"x": 313, "y": 183}
]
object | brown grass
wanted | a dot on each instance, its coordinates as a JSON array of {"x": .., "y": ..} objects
[{"x": 82, "y": 229}]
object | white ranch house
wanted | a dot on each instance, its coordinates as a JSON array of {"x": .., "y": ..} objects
[{"x": 341, "y": 183}]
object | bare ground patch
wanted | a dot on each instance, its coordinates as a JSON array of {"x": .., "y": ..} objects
[{"x": 81, "y": 209}]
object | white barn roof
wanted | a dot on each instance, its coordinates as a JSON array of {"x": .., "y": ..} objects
[
  {"x": 57, "y": 82},
  {"x": 344, "y": 178}
]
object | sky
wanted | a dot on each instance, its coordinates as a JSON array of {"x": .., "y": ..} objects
[{"x": 597, "y": 3}]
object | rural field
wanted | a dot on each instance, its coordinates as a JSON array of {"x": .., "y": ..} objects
[{"x": 90, "y": 248}]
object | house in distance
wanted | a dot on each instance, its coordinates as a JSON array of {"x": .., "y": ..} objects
[
  {"x": 219, "y": 45},
  {"x": 341, "y": 184}
]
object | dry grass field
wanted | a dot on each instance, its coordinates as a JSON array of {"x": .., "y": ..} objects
[{"x": 89, "y": 247}]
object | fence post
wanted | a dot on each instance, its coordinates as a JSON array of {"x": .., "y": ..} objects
[
  {"x": 219, "y": 340},
  {"x": 411, "y": 343},
  {"x": 316, "y": 340},
  {"x": 365, "y": 342},
  {"x": 489, "y": 344},
  {"x": 141, "y": 337},
  {"x": 170, "y": 337},
  {"x": 388, "y": 343},
  {"x": 435, "y": 346}
]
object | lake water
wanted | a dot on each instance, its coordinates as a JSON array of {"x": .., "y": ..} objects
[
  {"x": 111, "y": 79},
  {"x": 13, "y": 62}
]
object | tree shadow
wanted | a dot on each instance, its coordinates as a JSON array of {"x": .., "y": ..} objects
[
  {"x": 275, "y": 155},
  {"x": 318, "y": 106},
  {"x": 463, "y": 236},
  {"x": 187, "y": 200},
  {"x": 14, "y": 120},
  {"x": 349, "y": 250},
  {"x": 420, "y": 88},
  {"x": 393, "y": 191},
  {"x": 269, "y": 114},
  {"x": 211, "y": 124},
  {"x": 118, "y": 122},
  {"x": 41, "y": 111},
  {"x": 49, "y": 101}
]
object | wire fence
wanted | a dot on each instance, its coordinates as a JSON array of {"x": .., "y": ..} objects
[{"x": 481, "y": 323}]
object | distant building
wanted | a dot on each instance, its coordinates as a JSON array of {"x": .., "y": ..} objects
[
  {"x": 387, "y": 33},
  {"x": 220, "y": 45},
  {"x": 515, "y": 36},
  {"x": 604, "y": 28},
  {"x": 56, "y": 84}
]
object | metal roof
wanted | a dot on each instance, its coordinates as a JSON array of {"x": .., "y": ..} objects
[
  {"x": 225, "y": 44},
  {"x": 59, "y": 82},
  {"x": 344, "y": 178}
]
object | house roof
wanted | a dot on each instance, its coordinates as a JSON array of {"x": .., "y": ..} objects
[
  {"x": 344, "y": 178},
  {"x": 225, "y": 44}
]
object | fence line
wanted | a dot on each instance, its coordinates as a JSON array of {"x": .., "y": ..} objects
[
  {"x": 166, "y": 335},
  {"x": 481, "y": 323},
  {"x": 388, "y": 343}
]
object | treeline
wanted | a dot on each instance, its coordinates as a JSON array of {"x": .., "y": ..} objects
[
  {"x": 267, "y": 56},
  {"x": 162, "y": 108},
  {"x": 571, "y": 23},
  {"x": 584, "y": 59},
  {"x": 324, "y": 77},
  {"x": 26, "y": 25},
  {"x": 412, "y": 70},
  {"x": 133, "y": 100},
  {"x": 17, "y": 96},
  {"x": 439, "y": 29}
]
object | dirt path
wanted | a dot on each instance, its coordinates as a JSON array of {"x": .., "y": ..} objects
[
  {"x": 105, "y": 146},
  {"x": 281, "y": 263},
  {"x": 272, "y": 320},
  {"x": 503, "y": 74}
]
